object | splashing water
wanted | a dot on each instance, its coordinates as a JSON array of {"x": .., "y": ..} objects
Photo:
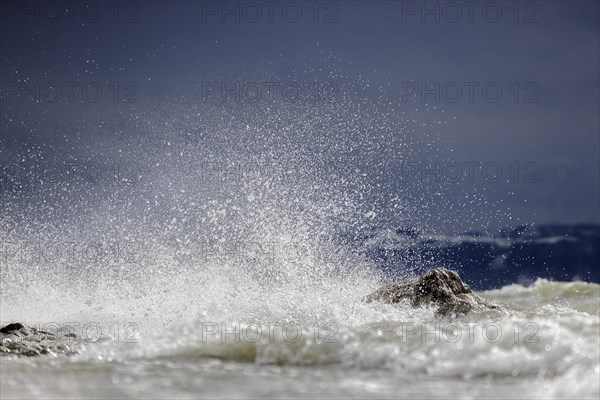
[
  {"x": 233, "y": 210},
  {"x": 188, "y": 221}
]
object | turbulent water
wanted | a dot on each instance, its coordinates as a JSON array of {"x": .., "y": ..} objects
[
  {"x": 212, "y": 256},
  {"x": 545, "y": 345}
]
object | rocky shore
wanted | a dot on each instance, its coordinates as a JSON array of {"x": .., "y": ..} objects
[{"x": 20, "y": 340}]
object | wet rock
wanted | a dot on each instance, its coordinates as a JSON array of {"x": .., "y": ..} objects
[
  {"x": 20, "y": 340},
  {"x": 439, "y": 287},
  {"x": 11, "y": 327}
]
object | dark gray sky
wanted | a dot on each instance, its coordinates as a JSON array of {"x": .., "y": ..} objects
[{"x": 543, "y": 55}]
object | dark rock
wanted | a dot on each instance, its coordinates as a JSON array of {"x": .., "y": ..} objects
[
  {"x": 20, "y": 340},
  {"x": 11, "y": 327},
  {"x": 440, "y": 287}
]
